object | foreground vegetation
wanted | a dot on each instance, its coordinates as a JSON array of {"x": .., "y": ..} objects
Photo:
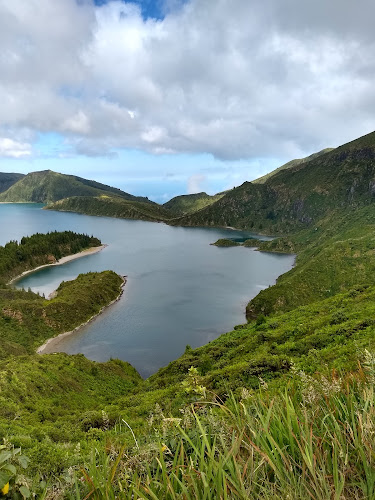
[{"x": 313, "y": 439}]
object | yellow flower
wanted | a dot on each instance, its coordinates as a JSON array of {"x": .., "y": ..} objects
[
  {"x": 164, "y": 448},
  {"x": 5, "y": 489}
]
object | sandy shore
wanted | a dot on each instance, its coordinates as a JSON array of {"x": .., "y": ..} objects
[
  {"x": 50, "y": 346},
  {"x": 63, "y": 260}
]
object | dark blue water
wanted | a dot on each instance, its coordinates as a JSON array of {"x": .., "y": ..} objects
[{"x": 180, "y": 289}]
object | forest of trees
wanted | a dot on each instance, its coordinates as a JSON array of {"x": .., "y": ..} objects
[{"x": 38, "y": 249}]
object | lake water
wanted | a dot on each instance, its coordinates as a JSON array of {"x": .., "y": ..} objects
[{"x": 180, "y": 290}]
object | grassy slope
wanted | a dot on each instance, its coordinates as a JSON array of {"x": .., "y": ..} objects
[
  {"x": 332, "y": 257},
  {"x": 293, "y": 422},
  {"x": 291, "y": 164},
  {"x": 189, "y": 203},
  {"x": 330, "y": 334},
  {"x": 58, "y": 397},
  {"x": 47, "y": 186},
  {"x": 111, "y": 206}
]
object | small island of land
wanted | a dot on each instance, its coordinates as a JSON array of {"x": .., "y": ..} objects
[{"x": 225, "y": 242}]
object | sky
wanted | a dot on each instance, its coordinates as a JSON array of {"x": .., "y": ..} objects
[{"x": 169, "y": 97}]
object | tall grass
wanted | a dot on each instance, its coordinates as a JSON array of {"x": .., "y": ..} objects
[{"x": 316, "y": 440}]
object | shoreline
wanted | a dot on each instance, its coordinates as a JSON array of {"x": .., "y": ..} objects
[
  {"x": 47, "y": 347},
  {"x": 63, "y": 260}
]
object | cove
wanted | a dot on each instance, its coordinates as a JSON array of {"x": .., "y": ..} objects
[{"x": 180, "y": 289}]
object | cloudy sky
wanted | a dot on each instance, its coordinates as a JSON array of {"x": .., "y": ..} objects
[{"x": 166, "y": 97}]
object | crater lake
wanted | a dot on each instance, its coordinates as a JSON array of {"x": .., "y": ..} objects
[{"x": 180, "y": 289}]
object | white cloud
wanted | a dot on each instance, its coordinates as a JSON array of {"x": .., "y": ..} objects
[
  {"x": 235, "y": 78},
  {"x": 79, "y": 123},
  {"x": 194, "y": 183},
  {"x": 13, "y": 149},
  {"x": 153, "y": 135}
]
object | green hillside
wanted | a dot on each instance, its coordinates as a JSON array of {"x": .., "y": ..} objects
[
  {"x": 298, "y": 197},
  {"x": 189, "y": 203},
  {"x": 111, "y": 206},
  {"x": 324, "y": 209},
  {"x": 7, "y": 180},
  {"x": 291, "y": 164},
  {"x": 48, "y": 186}
]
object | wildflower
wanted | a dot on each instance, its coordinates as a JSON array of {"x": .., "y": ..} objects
[
  {"x": 5, "y": 489},
  {"x": 164, "y": 448},
  {"x": 193, "y": 381}
]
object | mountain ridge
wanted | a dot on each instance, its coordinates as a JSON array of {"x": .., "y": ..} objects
[
  {"x": 47, "y": 186},
  {"x": 291, "y": 164},
  {"x": 189, "y": 203},
  {"x": 297, "y": 197}
]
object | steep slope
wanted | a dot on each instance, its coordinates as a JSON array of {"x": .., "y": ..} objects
[
  {"x": 291, "y": 164},
  {"x": 7, "y": 180},
  {"x": 300, "y": 196},
  {"x": 189, "y": 203},
  {"x": 48, "y": 186},
  {"x": 111, "y": 206},
  {"x": 334, "y": 256}
]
